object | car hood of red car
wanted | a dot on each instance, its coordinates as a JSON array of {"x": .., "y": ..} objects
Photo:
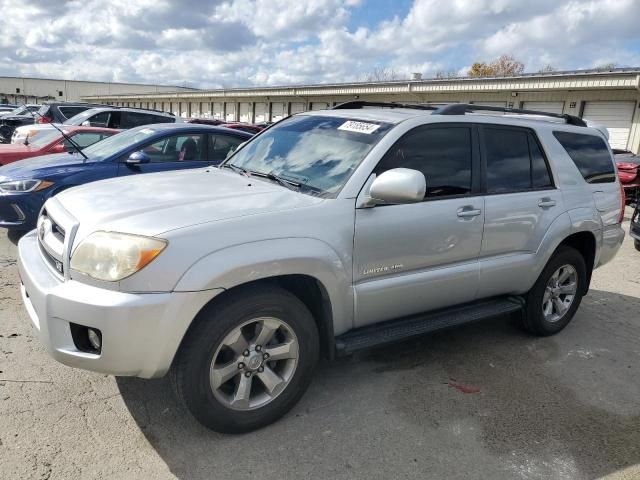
[{"x": 11, "y": 152}]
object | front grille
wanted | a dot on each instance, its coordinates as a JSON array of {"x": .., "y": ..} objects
[{"x": 51, "y": 240}]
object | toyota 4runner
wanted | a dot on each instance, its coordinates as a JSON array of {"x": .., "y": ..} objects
[{"x": 329, "y": 232}]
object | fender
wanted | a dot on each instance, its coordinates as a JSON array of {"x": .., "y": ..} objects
[{"x": 248, "y": 262}]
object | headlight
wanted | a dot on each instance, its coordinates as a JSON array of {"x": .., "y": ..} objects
[
  {"x": 24, "y": 185},
  {"x": 112, "y": 256}
]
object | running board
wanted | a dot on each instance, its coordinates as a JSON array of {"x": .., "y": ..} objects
[{"x": 404, "y": 328}]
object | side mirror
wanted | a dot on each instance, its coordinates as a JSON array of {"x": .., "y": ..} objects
[
  {"x": 137, "y": 158},
  {"x": 398, "y": 185},
  {"x": 58, "y": 148}
]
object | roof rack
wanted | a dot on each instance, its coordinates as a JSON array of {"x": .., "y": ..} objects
[
  {"x": 461, "y": 109},
  {"x": 464, "y": 108},
  {"x": 356, "y": 104}
]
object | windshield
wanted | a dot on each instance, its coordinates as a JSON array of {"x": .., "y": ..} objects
[
  {"x": 112, "y": 145},
  {"x": 20, "y": 111},
  {"x": 81, "y": 117},
  {"x": 319, "y": 153},
  {"x": 43, "y": 137}
]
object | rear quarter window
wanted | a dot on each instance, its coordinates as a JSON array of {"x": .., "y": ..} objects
[{"x": 590, "y": 154}]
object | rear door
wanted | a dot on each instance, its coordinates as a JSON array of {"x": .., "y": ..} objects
[
  {"x": 422, "y": 256},
  {"x": 520, "y": 205}
]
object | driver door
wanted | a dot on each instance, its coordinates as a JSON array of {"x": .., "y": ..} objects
[
  {"x": 174, "y": 152},
  {"x": 417, "y": 257}
]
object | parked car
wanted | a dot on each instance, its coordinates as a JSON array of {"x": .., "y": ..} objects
[
  {"x": 52, "y": 141},
  {"x": 19, "y": 116},
  {"x": 25, "y": 185},
  {"x": 634, "y": 229},
  {"x": 245, "y": 127},
  {"x": 629, "y": 172},
  {"x": 47, "y": 113},
  {"x": 109, "y": 117},
  {"x": 330, "y": 232},
  {"x": 7, "y": 107},
  {"x": 59, "y": 112},
  {"x": 20, "y": 110}
]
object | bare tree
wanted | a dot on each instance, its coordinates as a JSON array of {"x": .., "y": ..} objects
[
  {"x": 381, "y": 74},
  {"x": 443, "y": 74},
  {"x": 548, "y": 68},
  {"x": 607, "y": 67}
]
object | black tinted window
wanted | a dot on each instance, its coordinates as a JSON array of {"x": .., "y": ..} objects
[
  {"x": 539, "y": 172},
  {"x": 69, "y": 112},
  {"x": 443, "y": 155},
  {"x": 508, "y": 164},
  {"x": 590, "y": 154},
  {"x": 135, "y": 119},
  {"x": 162, "y": 119}
]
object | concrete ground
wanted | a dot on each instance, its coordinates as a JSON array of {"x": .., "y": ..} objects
[{"x": 483, "y": 401}]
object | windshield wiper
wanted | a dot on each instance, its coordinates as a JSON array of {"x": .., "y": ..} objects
[
  {"x": 291, "y": 185},
  {"x": 235, "y": 168}
]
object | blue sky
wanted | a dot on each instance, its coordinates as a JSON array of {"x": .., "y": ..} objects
[{"x": 226, "y": 43}]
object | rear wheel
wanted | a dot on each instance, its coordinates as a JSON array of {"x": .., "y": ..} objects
[
  {"x": 636, "y": 243},
  {"x": 556, "y": 295},
  {"x": 248, "y": 360}
]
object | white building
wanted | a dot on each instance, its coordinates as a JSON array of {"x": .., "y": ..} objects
[
  {"x": 608, "y": 98},
  {"x": 36, "y": 90}
]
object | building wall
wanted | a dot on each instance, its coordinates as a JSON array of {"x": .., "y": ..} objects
[
  {"x": 35, "y": 90},
  {"x": 574, "y": 89}
]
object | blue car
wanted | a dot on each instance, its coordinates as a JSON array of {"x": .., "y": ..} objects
[{"x": 25, "y": 185}]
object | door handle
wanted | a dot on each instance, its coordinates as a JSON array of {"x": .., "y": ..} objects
[
  {"x": 468, "y": 212},
  {"x": 546, "y": 203}
]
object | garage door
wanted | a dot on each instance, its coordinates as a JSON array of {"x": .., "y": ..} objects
[
  {"x": 231, "y": 112},
  {"x": 297, "y": 107},
  {"x": 245, "y": 112},
  {"x": 195, "y": 109},
  {"x": 319, "y": 106},
  {"x": 616, "y": 116},
  {"x": 549, "y": 107},
  {"x": 278, "y": 111},
  {"x": 218, "y": 110},
  {"x": 262, "y": 112}
]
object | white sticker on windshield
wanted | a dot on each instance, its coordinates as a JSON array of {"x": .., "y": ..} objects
[
  {"x": 360, "y": 127},
  {"x": 146, "y": 131}
]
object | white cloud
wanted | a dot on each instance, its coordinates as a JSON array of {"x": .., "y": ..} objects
[{"x": 240, "y": 42}]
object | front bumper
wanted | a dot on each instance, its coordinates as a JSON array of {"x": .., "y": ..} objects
[{"x": 140, "y": 332}]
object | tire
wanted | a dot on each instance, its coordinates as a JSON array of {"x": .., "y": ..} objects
[
  {"x": 246, "y": 310},
  {"x": 636, "y": 243},
  {"x": 538, "y": 322}
]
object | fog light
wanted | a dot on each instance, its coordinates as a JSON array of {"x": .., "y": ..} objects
[{"x": 94, "y": 339}]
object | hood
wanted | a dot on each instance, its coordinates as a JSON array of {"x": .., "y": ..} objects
[
  {"x": 43, "y": 166},
  {"x": 10, "y": 152},
  {"x": 155, "y": 203}
]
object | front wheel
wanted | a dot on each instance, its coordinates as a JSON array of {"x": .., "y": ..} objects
[
  {"x": 556, "y": 295},
  {"x": 247, "y": 360}
]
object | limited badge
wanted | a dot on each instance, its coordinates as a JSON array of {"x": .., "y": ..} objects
[{"x": 359, "y": 127}]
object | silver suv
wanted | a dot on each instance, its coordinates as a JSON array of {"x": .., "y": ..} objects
[{"x": 329, "y": 232}]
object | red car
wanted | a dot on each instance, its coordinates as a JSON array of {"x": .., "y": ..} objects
[
  {"x": 245, "y": 127},
  {"x": 51, "y": 141},
  {"x": 629, "y": 173}
]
